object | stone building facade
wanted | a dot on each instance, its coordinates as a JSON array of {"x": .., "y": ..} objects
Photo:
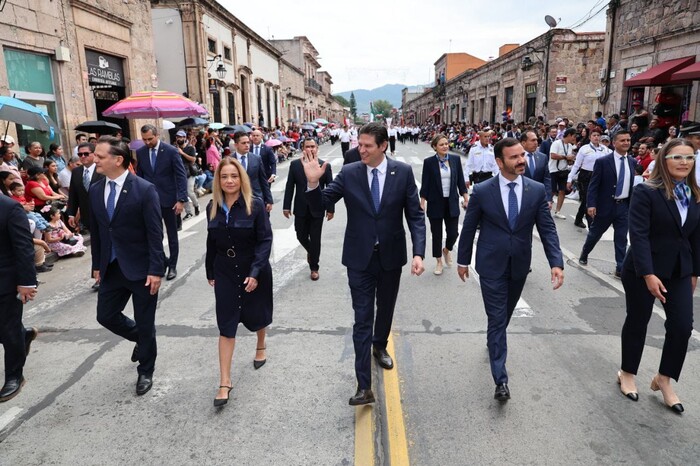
[
  {"x": 553, "y": 75},
  {"x": 293, "y": 94},
  {"x": 652, "y": 48},
  {"x": 224, "y": 64},
  {"x": 74, "y": 59}
]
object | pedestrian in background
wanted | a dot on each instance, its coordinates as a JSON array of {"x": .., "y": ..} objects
[
  {"x": 442, "y": 183},
  {"x": 663, "y": 262},
  {"x": 239, "y": 241}
]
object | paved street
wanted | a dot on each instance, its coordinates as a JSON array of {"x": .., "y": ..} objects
[{"x": 79, "y": 405}]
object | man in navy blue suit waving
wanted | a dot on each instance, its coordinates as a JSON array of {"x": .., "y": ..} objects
[
  {"x": 127, "y": 253},
  {"x": 507, "y": 206},
  {"x": 161, "y": 164},
  {"x": 378, "y": 193}
]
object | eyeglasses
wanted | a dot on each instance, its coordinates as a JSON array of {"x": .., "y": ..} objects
[
  {"x": 83, "y": 154},
  {"x": 679, "y": 157}
]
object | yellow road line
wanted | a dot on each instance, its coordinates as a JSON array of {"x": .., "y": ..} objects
[
  {"x": 364, "y": 436},
  {"x": 396, "y": 428}
]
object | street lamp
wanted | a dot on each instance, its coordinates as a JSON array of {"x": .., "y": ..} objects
[{"x": 220, "y": 69}]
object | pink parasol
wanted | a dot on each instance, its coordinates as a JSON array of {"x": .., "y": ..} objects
[
  {"x": 273, "y": 143},
  {"x": 156, "y": 104}
]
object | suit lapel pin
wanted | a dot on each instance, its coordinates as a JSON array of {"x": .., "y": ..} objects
[
  {"x": 124, "y": 191},
  {"x": 392, "y": 173}
]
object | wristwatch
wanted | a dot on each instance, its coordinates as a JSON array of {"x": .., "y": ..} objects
[{"x": 184, "y": 201}]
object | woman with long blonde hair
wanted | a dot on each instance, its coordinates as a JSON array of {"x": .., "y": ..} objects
[
  {"x": 239, "y": 241},
  {"x": 663, "y": 262}
]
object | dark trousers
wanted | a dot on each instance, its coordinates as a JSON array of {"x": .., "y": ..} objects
[
  {"x": 451, "y": 226},
  {"x": 170, "y": 221},
  {"x": 500, "y": 297},
  {"x": 12, "y": 335},
  {"x": 365, "y": 287},
  {"x": 600, "y": 225},
  {"x": 584, "y": 179},
  {"x": 392, "y": 144},
  {"x": 115, "y": 291},
  {"x": 478, "y": 177},
  {"x": 679, "y": 323},
  {"x": 308, "y": 230},
  {"x": 344, "y": 147}
]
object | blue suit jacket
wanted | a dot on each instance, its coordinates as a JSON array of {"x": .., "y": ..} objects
[
  {"x": 497, "y": 243},
  {"x": 269, "y": 160},
  {"x": 541, "y": 170},
  {"x": 659, "y": 244},
  {"x": 601, "y": 190},
  {"x": 136, "y": 229},
  {"x": 169, "y": 177},
  {"x": 431, "y": 186},
  {"x": 258, "y": 178},
  {"x": 364, "y": 226}
]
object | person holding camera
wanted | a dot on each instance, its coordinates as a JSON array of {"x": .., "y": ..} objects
[
  {"x": 189, "y": 159},
  {"x": 561, "y": 156}
]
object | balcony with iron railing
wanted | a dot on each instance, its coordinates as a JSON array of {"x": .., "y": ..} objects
[{"x": 311, "y": 83}]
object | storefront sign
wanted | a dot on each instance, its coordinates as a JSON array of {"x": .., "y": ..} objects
[
  {"x": 632, "y": 72},
  {"x": 104, "y": 69},
  {"x": 106, "y": 95},
  {"x": 560, "y": 89},
  {"x": 560, "y": 80}
]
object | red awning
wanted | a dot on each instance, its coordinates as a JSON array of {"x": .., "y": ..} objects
[
  {"x": 660, "y": 74},
  {"x": 688, "y": 73},
  {"x": 434, "y": 112}
]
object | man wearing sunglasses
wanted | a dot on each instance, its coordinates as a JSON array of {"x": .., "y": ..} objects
[{"x": 81, "y": 179}]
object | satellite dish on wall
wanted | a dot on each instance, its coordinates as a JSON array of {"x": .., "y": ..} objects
[{"x": 551, "y": 22}]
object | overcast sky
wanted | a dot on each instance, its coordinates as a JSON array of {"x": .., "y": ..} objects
[{"x": 365, "y": 44}]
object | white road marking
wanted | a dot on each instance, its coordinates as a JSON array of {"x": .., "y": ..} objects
[
  {"x": 284, "y": 242},
  {"x": 279, "y": 185},
  {"x": 401, "y": 159},
  {"x": 416, "y": 161},
  {"x": 9, "y": 416}
]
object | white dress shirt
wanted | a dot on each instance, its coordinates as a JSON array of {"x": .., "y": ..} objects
[
  {"x": 480, "y": 159},
  {"x": 628, "y": 176},
  {"x": 697, "y": 170},
  {"x": 586, "y": 157},
  {"x": 381, "y": 176},
  {"x": 344, "y": 136},
  {"x": 682, "y": 210},
  {"x": 120, "y": 180},
  {"x": 559, "y": 148},
  {"x": 90, "y": 170},
  {"x": 445, "y": 176},
  {"x": 505, "y": 191}
]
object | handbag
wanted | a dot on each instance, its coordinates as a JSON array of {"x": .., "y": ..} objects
[{"x": 72, "y": 241}]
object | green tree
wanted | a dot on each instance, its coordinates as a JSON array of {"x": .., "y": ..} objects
[
  {"x": 341, "y": 100},
  {"x": 353, "y": 105},
  {"x": 382, "y": 107}
]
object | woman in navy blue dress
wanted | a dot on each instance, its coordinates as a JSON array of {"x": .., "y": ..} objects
[{"x": 239, "y": 240}]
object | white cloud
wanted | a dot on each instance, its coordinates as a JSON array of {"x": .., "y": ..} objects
[{"x": 365, "y": 44}]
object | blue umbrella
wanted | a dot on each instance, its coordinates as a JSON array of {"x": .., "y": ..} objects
[
  {"x": 20, "y": 112},
  {"x": 235, "y": 129},
  {"x": 195, "y": 121}
]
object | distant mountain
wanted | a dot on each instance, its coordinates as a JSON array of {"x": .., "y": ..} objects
[{"x": 389, "y": 92}]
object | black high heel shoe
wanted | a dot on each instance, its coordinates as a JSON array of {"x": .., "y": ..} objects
[
  {"x": 634, "y": 396},
  {"x": 257, "y": 364},
  {"x": 676, "y": 408},
  {"x": 218, "y": 402}
]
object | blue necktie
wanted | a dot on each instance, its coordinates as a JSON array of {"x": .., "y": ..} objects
[
  {"x": 512, "y": 206},
  {"x": 257, "y": 150},
  {"x": 153, "y": 159},
  {"x": 375, "y": 189},
  {"x": 86, "y": 179},
  {"x": 620, "y": 177},
  {"x": 532, "y": 164},
  {"x": 243, "y": 162},
  {"x": 682, "y": 192},
  {"x": 110, "y": 212}
]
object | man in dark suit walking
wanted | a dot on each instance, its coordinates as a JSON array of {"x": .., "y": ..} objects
[
  {"x": 81, "y": 178},
  {"x": 608, "y": 199},
  {"x": 254, "y": 167},
  {"x": 307, "y": 223},
  {"x": 378, "y": 193},
  {"x": 127, "y": 253},
  {"x": 18, "y": 285},
  {"x": 352, "y": 155},
  {"x": 536, "y": 163},
  {"x": 507, "y": 207},
  {"x": 269, "y": 160},
  {"x": 161, "y": 164}
]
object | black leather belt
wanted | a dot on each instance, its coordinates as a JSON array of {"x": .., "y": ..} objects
[{"x": 620, "y": 201}]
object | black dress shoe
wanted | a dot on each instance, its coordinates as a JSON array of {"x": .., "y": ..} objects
[
  {"x": 29, "y": 336},
  {"x": 188, "y": 216},
  {"x": 11, "y": 388},
  {"x": 580, "y": 224},
  {"x": 135, "y": 353},
  {"x": 583, "y": 260},
  {"x": 383, "y": 358},
  {"x": 143, "y": 384},
  {"x": 362, "y": 397},
  {"x": 43, "y": 268},
  {"x": 196, "y": 211},
  {"x": 618, "y": 274},
  {"x": 96, "y": 286},
  {"x": 172, "y": 273},
  {"x": 502, "y": 392},
  {"x": 218, "y": 402}
]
